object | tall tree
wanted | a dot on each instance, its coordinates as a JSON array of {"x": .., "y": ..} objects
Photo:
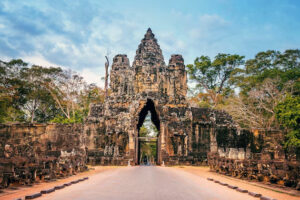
[
  {"x": 288, "y": 113},
  {"x": 270, "y": 64},
  {"x": 12, "y": 90},
  {"x": 65, "y": 90},
  {"x": 264, "y": 82},
  {"x": 257, "y": 109},
  {"x": 106, "y": 75},
  {"x": 213, "y": 77},
  {"x": 38, "y": 97}
]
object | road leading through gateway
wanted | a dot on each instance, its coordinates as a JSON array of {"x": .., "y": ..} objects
[{"x": 146, "y": 182}]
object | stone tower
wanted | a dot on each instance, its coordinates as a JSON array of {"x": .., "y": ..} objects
[{"x": 149, "y": 85}]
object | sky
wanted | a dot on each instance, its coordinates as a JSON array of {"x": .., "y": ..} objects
[{"x": 77, "y": 34}]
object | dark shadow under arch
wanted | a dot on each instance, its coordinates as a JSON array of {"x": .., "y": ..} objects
[{"x": 149, "y": 106}]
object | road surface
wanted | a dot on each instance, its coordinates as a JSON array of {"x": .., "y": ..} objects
[{"x": 146, "y": 182}]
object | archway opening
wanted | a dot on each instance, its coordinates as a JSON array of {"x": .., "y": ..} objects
[{"x": 148, "y": 133}]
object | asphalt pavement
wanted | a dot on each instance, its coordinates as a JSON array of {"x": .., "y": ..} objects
[{"x": 146, "y": 182}]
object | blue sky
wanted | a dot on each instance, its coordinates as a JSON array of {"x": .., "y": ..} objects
[{"x": 78, "y": 34}]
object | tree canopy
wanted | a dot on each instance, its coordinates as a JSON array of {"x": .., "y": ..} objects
[
  {"x": 262, "y": 92},
  {"x": 213, "y": 77},
  {"x": 44, "y": 94}
]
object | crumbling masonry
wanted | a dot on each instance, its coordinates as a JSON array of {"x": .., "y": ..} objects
[
  {"x": 110, "y": 135},
  {"x": 30, "y": 153},
  {"x": 186, "y": 134}
]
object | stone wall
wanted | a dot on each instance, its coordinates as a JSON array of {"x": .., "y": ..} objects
[
  {"x": 31, "y": 152},
  {"x": 110, "y": 135},
  {"x": 256, "y": 155}
]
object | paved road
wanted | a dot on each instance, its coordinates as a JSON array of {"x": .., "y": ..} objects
[{"x": 145, "y": 182}]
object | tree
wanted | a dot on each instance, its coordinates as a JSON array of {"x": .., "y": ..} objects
[
  {"x": 288, "y": 113},
  {"x": 106, "y": 75},
  {"x": 213, "y": 78},
  {"x": 273, "y": 65},
  {"x": 12, "y": 90},
  {"x": 264, "y": 82},
  {"x": 90, "y": 94},
  {"x": 257, "y": 109},
  {"x": 73, "y": 97},
  {"x": 38, "y": 98},
  {"x": 65, "y": 90},
  {"x": 42, "y": 94}
]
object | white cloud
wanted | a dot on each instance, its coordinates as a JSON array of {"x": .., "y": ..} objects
[
  {"x": 92, "y": 76},
  {"x": 209, "y": 26},
  {"x": 113, "y": 32},
  {"x": 39, "y": 60}
]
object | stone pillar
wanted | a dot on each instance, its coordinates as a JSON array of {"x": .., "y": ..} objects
[
  {"x": 131, "y": 145},
  {"x": 161, "y": 143},
  {"x": 185, "y": 144},
  {"x": 163, "y": 135},
  {"x": 136, "y": 160},
  {"x": 213, "y": 141},
  {"x": 158, "y": 150},
  {"x": 197, "y": 133},
  {"x": 189, "y": 140}
]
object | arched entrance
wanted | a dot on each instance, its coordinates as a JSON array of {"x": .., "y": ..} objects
[{"x": 141, "y": 140}]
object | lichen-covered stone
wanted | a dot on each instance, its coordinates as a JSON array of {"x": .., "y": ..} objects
[
  {"x": 110, "y": 135},
  {"x": 186, "y": 134},
  {"x": 38, "y": 152}
]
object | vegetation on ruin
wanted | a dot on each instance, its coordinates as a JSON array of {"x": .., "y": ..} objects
[{"x": 262, "y": 92}]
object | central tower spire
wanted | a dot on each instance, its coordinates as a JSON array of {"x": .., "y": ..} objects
[{"x": 148, "y": 52}]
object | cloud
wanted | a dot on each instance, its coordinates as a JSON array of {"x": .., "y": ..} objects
[
  {"x": 39, "y": 60},
  {"x": 209, "y": 27},
  {"x": 73, "y": 35},
  {"x": 171, "y": 45},
  {"x": 92, "y": 76},
  {"x": 78, "y": 34}
]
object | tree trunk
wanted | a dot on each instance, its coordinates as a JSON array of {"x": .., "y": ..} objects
[
  {"x": 106, "y": 75},
  {"x": 32, "y": 112}
]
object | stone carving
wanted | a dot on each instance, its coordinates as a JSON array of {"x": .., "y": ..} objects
[
  {"x": 40, "y": 152},
  {"x": 150, "y": 85},
  {"x": 110, "y": 135}
]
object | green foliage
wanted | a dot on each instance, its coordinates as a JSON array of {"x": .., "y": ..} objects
[
  {"x": 144, "y": 132},
  {"x": 213, "y": 77},
  {"x": 288, "y": 113},
  {"x": 77, "y": 118},
  {"x": 270, "y": 64},
  {"x": 39, "y": 94},
  {"x": 12, "y": 91}
]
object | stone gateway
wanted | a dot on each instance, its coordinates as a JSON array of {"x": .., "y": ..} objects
[
  {"x": 111, "y": 133},
  {"x": 186, "y": 134}
]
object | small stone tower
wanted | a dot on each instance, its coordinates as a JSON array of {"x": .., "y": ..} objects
[{"x": 121, "y": 76}]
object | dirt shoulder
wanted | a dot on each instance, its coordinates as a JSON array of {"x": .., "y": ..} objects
[
  {"x": 22, "y": 191},
  {"x": 264, "y": 189}
]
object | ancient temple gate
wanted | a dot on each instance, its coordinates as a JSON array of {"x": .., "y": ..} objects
[
  {"x": 112, "y": 129},
  {"x": 110, "y": 135}
]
